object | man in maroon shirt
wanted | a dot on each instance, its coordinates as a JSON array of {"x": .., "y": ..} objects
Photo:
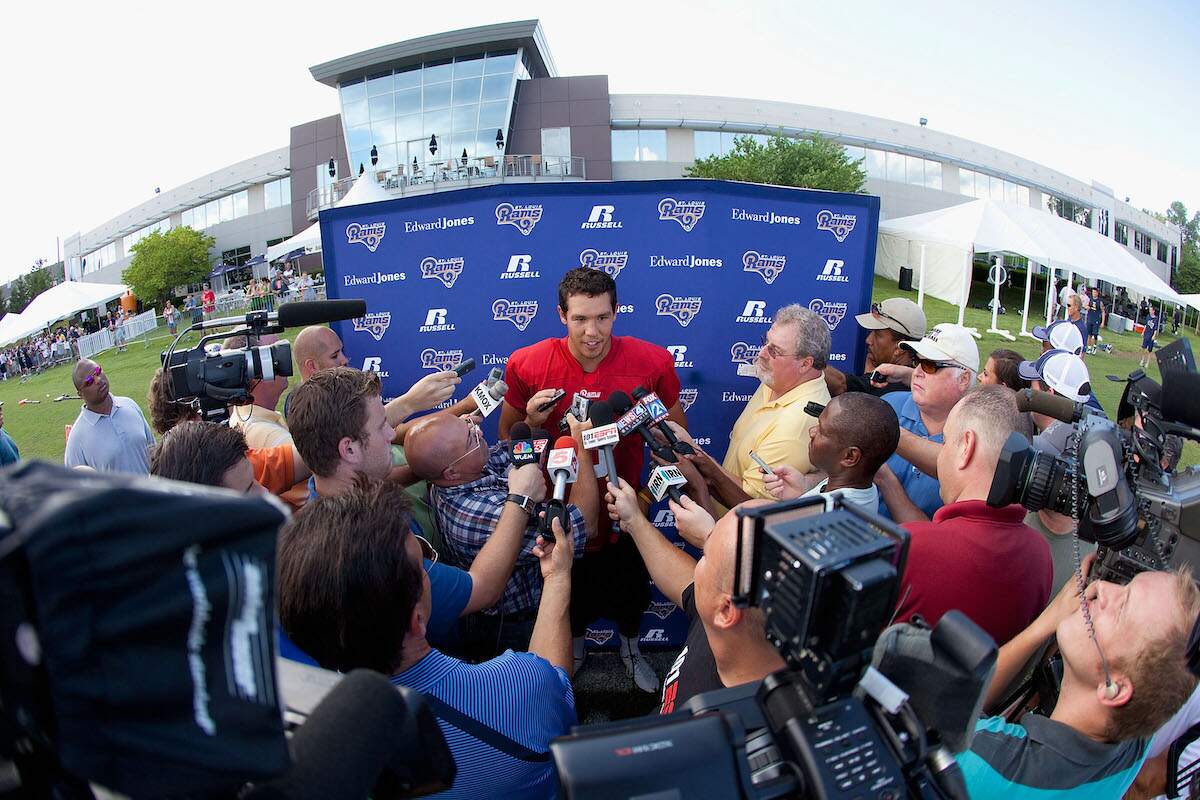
[
  {"x": 610, "y": 580},
  {"x": 981, "y": 560}
]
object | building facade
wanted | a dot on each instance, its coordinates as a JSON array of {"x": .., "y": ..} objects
[{"x": 486, "y": 105}]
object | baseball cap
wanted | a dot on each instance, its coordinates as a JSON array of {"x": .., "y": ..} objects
[
  {"x": 1063, "y": 372},
  {"x": 897, "y": 313},
  {"x": 947, "y": 342},
  {"x": 1062, "y": 335}
]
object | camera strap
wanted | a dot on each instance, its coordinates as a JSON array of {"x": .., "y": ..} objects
[{"x": 483, "y": 733}]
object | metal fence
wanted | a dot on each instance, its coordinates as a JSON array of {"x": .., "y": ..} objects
[{"x": 103, "y": 340}]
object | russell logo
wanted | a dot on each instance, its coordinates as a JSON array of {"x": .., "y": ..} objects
[
  {"x": 661, "y": 608},
  {"x": 445, "y": 270},
  {"x": 374, "y": 364},
  {"x": 665, "y": 518},
  {"x": 686, "y": 212},
  {"x": 679, "y": 353},
  {"x": 519, "y": 267},
  {"x": 768, "y": 267},
  {"x": 370, "y": 234},
  {"x": 375, "y": 324},
  {"x": 601, "y": 217},
  {"x": 683, "y": 309},
  {"x": 655, "y": 635},
  {"x": 435, "y": 320},
  {"x": 840, "y": 225},
  {"x": 755, "y": 313},
  {"x": 523, "y": 218},
  {"x": 832, "y": 313},
  {"x": 743, "y": 353},
  {"x": 440, "y": 360},
  {"x": 598, "y": 637},
  {"x": 833, "y": 271},
  {"x": 518, "y": 312},
  {"x": 610, "y": 262},
  {"x": 687, "y": 397}
]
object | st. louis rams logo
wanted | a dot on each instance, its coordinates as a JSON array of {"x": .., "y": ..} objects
[
  {"x": 832, "y": 313},
  {"x": 523, "y": 218},
  {"x": 661, "y": 608},
  {"x": 687, "y": 397},
  {"x": 370, "y": 234},
  {"x": 743, "y": 353},
  {"x": 839, "y": 225},
  {"x": 683, "y": 309},
  {"x": 518, "y": 312},
  {"x": 375, "y": 324},
  {"x": 445, "y": 270},
  {"x": 609, "y": 262},
  {"x": 686, "y": 212},
  {"x": 769, "y": 267},
  {"x": 598, "y": 637},
  {"x": 440, "y": 360}
]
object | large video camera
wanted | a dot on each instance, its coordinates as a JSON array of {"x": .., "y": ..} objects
[
  {"x": 210, "y": 379},
  {"x": 1118, "y": 481},
  {"x": 851, "y": 716}
]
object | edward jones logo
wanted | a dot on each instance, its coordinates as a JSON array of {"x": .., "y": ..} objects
[
  {"x": 610, "y": 262},
  {"x": 518, "y": 312},
  {"x": 743, "y": 353},
  {"x": 601, "y": 217},
  {"x": 440, "y": 360},
  {"x": 833, "y": 271},
  {"x": 768, "y": 267},
  {"x": 445, "y": 270},
  {"x": 439, "y": 224},
  {"x": 375, "y": 324},
  {"x": 755, "y": 313},
  {"x": 369, "y": 234},
  {"x": 435, "y": 320},
  {"x": 523, "y": 218},
  {"x": 832, "y": 313},
  {"x": 687, "y": 397},
  {"x": 679, "y": 353},
  {"x": 769, "y": 217},
  {"x": 686, "y": 212},
  {"x": 682, "y": 309},
  {"x": 375, "y": 278},
  {"x": 689, "y": 261},
  {"x": 840, "y": 225},
  {"x": 519, "y": 267}
]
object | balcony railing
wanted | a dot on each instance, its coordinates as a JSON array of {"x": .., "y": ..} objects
[{"x": 417, "y": 178}]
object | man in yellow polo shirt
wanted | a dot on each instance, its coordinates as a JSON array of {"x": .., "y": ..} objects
[{"x": 791, "y": 367}]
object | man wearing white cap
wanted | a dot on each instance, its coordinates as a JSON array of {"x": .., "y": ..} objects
[
  {"x": 1061, "y": 335},
  {"x": 889, "y": 324},
  {"x": 947, "y": 366}
]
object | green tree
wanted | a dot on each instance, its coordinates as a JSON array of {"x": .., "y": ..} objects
[
  {"x": 162, "y": 261},
  {"x": 810, "y": 163},
  {"x": 29, "y": 285},
  {"x": 1190, "y": 228}
]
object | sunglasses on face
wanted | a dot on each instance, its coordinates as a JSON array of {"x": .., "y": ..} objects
[
  {"x": 90, "y": 379},
  {"x": 428, "y": 554},
  {"x": 877, "y": 310},
  {"x": 930, "y": 367}
]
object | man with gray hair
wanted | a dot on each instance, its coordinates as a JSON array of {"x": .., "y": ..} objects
[
  {"x": 773, "y": 424},
  {"x": 984, "y": 561}
]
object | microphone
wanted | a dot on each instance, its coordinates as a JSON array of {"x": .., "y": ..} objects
[
  {"x": 665, "y": 481},
  {"x": 494, "y": 376},
  {"x": 658, "y": 415},
  {"x": 602, "y": 436},
  {"x": 520, "y": 448},
  {"x": 295, "y": 315},
  {"x": 634, "y": 419},
  {"x": 489, "y": 396},
  {"x": 580, "y": 406},
  {"x": 1051, "y": 405},
  {"x": 563, "y": 466},
  {"x": 366, "y": 738}
]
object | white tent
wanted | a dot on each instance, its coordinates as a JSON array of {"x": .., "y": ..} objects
[
  {"x": 363, "y": 191},
  {"x": 14, "y": 327},
  {"x": 68, "y": 298},
  {"x": 309, "y": 239}
]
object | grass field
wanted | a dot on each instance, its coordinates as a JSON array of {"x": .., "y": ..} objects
[{"x": 38, "y": 428}]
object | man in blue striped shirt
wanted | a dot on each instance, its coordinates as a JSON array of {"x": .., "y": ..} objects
[{"x": 353, "y": 593}]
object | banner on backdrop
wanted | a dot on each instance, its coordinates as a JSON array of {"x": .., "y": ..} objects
[{"x": 700, "y": 268}]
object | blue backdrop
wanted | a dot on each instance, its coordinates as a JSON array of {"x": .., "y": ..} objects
[{"x": 700, "y": 267}]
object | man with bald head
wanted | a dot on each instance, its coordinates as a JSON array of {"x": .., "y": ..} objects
[
  {"x": 316, "y": 348},
  {"x": 110, "y": 434},
  {"x": 726, "y": 644}
]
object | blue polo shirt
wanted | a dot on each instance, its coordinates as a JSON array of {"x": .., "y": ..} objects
[
  {"x": 520, "y": 695},
  {"x": 921, "y": 488},
  {"x": 9, "y": 453}
]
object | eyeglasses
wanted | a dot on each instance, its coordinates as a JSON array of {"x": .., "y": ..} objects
[
  {"x": 877, "y": 310},
  {"x": 90, "y": 379},
  {"x": 930, "y": 367},
  {"x": 428, "y": 554},
  {"x": 474, "y": 442},
  {"x": 774, "y": 352}
]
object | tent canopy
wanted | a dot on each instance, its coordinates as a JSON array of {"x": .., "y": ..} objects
[
  {"x": 14, "y": 327},
  {"x": 309, "y": 239},
  {"x": 1192, "y": 300},
  {"x": 365, "y": 190},
  {"x": 70, "y": 297},
  {"x": 990, "y": 226}
]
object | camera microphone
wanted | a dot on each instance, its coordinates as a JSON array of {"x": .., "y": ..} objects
[
  {"x": 294, "y": 315},
  {"x": 1050, "y": 405}
]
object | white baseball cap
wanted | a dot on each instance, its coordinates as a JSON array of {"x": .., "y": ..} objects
[
  {"x": 1062, "y": 335},
  {"x": 950, "y": 343},
  {"x": 1063, "y": 372},
  {"x": 896, "y": 313}
]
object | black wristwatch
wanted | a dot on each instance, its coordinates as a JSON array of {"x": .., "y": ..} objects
[{"x": 526, "y": 504}]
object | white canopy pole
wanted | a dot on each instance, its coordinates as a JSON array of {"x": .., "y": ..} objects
[
  {"x": 965, "y": 292},
  {"x": 1070, "y": 288},
  {"x": 1050, "y": 295},
  {"x": 1030, "y": 266},
  {"x": 921, "y": 280},
  {"x": 996, "y": 275}
]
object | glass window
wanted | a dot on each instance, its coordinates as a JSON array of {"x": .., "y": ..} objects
[
  {"x": 387, "y": 156},
  {"x": 436, "y": 122},
  {"x": 466, "y": 91},
  {"x": 271, "y": 195},
  {"x": 324, "y": 181},
  {"x": 1023, "y": 195},
  {"x": 353, "y": 92},
  {"x": 408, "y": 127},
  {"x": 407, "y": 78},
  {"x": 379, "y": 84},
  {"x": 652, "y": 145},
  {"x": 185, "y": 219},
  {"x": 500, "y": 61},
  {"x": 1010, "y": 192},
  {"x": 383, "y": 132},
  {"x": 437, "y": 71},
  {"x": 437, "y": 95},
  {"x": 241, "y": 204},
  {"x": 855, "y": 153},
  {"x": 465, "y": 118},
  {"x": 706, "y": 143},
  {"x": 895, "y": 167},
  {"x": 359, "y": 138},
  {"x": 212, "y": 213},
  {"x": 914, "y": 170},
  {"x": 624, "y": 145},
  {"x": 469, "y": 67},
  {"x": 355, "y": 113},
  {"x": 556, "y": 141},
  {"x": 382, "y": 107},
  {"x": 408, "y": 101},
  {"x": 492, "y": 115},
  {"x": 497, "y": 87},
  {"x": 966, "y": 182},
  {"x": 876, "y": 164},
  {"x": 997, "y": 188},
  {"x": 933, "y": 174},
  {"x": 226, "y": 208},
  {"x": 486, "y": 144}
]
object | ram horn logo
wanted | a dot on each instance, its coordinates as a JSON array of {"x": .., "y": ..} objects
[
  {"x": 370, "y": 234},
  {"x": 683, "y": 309},
  {"x": 686, "y": 212},
  {"x": 599, "y": 637},
  {"x": 518, "y": 312},
  {"x": 687, "y": 397},
  {"x": 445, "y": 270},
  {"x": 610, "y": 263},
  {"x": 661, "y": 608},
  {"x": 839, "y": 225},
  {"x": 375, "y": 324},
  {"x": 743, "y": 353},
  {"x": 523, "y": 218},
  {"x": 769, "y": 267},
  {"x": 832, "y": 313},
  {"x": 440, "y": 360}
]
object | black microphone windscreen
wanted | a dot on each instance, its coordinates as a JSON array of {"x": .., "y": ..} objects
[
  {"x": 519, "y": 430},
  {"x": 318, "y": 312},
  {"x": 600, "y": 413},
  {"x": 620, "y": 402},
  {"x": 1051, "y": 405}
]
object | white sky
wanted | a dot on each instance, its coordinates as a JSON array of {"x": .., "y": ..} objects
[{"x": 105, "y": 101}]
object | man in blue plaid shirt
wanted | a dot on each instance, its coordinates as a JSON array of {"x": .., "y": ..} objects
[{"x": 469, "y": 490}]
